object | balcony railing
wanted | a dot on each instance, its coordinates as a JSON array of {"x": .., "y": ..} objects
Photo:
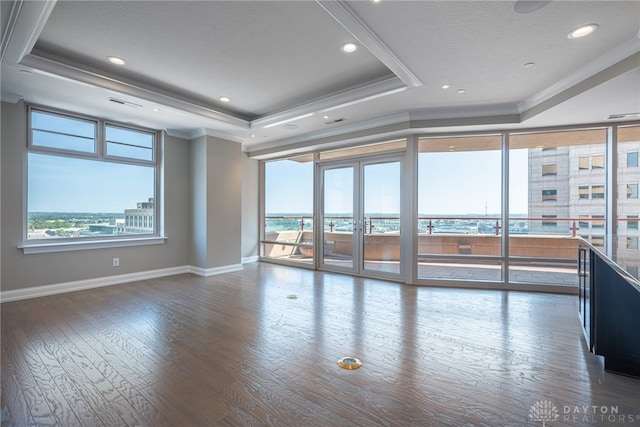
[{"x": 447, "y": 224}]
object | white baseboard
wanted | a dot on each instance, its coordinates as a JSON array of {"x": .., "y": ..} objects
[
  {"x": 206, "y": 272},
  {"x": 59, "y": 288},
  {"x": 250, "y": 259}
]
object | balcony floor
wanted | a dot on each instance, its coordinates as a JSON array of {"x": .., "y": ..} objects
[{"x": 553, "y": 274}]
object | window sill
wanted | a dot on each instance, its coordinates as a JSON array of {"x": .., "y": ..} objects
[{"x": 41, "y": 248}]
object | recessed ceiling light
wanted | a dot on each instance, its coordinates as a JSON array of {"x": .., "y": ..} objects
[
  {"x": 224, "y": 99},
  {"x": 116, "y": 60},
  {"x": 445, "y": 86},
  {"x": 585, "y": 30},
  {"x": 376, "y": 1},
  {"x": 529, "y": 64},
  {"x": 461, "y": 90},
  {"x": 325, "y": 117},
  {"x": 156, "y": 110},
  {"x": 349, "y": 47},
  {"x": 253, "y": 136}
]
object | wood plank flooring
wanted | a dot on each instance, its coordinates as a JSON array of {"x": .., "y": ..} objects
[{"x": 259, "y": 347}]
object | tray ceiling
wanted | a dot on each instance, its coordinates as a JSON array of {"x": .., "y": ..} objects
[{"x": 288, "y": 80}]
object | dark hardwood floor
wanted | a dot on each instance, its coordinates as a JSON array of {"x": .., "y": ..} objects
[{"x": 259, "y": 347}]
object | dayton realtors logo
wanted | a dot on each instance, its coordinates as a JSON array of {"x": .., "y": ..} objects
[{"x": 545, "y": 411}]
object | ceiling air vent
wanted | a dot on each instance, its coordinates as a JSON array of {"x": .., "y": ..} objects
[
  {"x": 332, "y": 122},
  {"x": 127, "y": 103}
]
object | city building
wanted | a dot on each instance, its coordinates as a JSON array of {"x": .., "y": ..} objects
[
  {"x": 140, "y": 219},
  {"x": 379, "y": 121}
]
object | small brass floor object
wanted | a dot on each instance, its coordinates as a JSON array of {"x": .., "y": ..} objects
[{"x": 349, "y": 363}]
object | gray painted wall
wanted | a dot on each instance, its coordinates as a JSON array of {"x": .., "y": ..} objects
[
  {"x": 209, "y": 206},
  {"x": 23, "y": 271},
  {"x": 198, "y": 191},
  {"x": 224, "y": 202},
  {"x": 250, "y": 203},
  {"x": 216, "y": 202}
]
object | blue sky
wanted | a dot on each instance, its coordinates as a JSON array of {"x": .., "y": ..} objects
[
  {"x": 64, "y": 184},
  {"x": 449, "y": 184}
]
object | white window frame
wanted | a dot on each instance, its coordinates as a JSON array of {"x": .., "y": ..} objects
[{"x": 31, "y": 246}]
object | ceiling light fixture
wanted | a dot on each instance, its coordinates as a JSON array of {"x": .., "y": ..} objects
[
  {"x": 376, "y": 1},
  {"x": 445, "y": 86},
  {"x": 224, "y": 99},
  {"x": 529, "y": 64},
  {"x": 461, "y": 90},
  {"x": 349, "y": 47},
  {"x": 116, "y": 60},
  {"x": 585, "y": 30}
]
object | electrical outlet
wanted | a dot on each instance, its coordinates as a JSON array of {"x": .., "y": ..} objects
[{"x": 116, "y": 262}]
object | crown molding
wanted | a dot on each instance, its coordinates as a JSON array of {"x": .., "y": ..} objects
[
  {"x": 8, "y": 31},
  {"x": 11, "y": 98},
  {"x": 351, "y": 22},
  {"x": 601, "y": 63},
  {"x": 399, "y": 125},
  {"x": 334, "y": 132},
  {"x": 26, "y": 23},
  {"x": 332, "y": 102},
  {"x": 81, "y": 74},
  {"x": 201, "y": 132},
  {"x": 592, "y": 81}
]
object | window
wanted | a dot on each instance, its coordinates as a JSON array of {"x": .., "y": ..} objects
[
  {"x": 632, "y": 191},
  {"x": 288, "y": 209},
  {"x": 470, "y": 167},
  {"x": 547, "y": 223},
  {"x": 584, "y": 221},
  {"x": 598, "y": 221},
  {"x": 583, "y": 163},
  {"x": 583, "y": 192},
  {"x": 597, "y": 192},
  {"x": 597, "y": 241},
  {"x": 632, "y": 242},
  {"x": 551, "y": 169},
  {"x": 549, "y": 195},
  {"x": 83, "y": 186},
  {"x": 59, "y": 132},
  {"x": 632, "y": 159},
  {"x": 597, "y": 162},
  {"x": 632, "y": 222}
]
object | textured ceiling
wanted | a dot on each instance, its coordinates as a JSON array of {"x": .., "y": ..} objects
[
  {"x": 265, "y": 55},
  {"x": 280, "y": 63}
]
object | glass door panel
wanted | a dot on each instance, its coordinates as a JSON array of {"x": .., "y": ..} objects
[
  {"x": 338, "y": 218},
  {"x": 381, "y": 219}
]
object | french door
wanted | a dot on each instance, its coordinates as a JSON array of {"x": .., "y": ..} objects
[{"x": 359, "y": 217}]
